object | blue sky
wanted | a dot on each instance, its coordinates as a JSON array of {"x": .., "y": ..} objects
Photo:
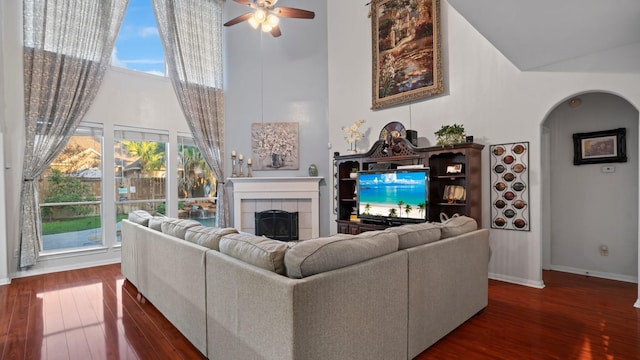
[{"x": 138, "y": 45}]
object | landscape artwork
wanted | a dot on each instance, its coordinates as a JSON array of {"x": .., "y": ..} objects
[
  {"x": 407, "y": 64},
  {"x": 275, "y": 146}
]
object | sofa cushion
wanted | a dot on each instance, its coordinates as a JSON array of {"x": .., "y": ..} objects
[
  {"x": 155, "y": 223},
  {"x": 324, "y": 254},
  {"x": 416, "y": 234},
  {"x": 140, "y": 217},
  {"x": 208, "y": 237},
  {"x": 256, "y": 250},
  {"x": 178, "y": 227},
  {"x": 458, "y": 225}
]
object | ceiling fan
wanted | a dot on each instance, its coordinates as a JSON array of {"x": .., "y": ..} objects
[{"x": 267, "y": 16}]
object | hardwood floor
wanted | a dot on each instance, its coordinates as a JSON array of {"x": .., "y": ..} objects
[
  {"x": 573, "y": 317},
  {"x": 93, "y": 314}
]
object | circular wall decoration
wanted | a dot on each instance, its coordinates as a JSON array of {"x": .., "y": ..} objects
[
  {"x": 391, "y": 131},
  {"x": 518, "y": 149},
  {"x": 509, "y": 186},
  {"x": 518, "y": 168},
  {"x": 509, "y": 177},
  {"x": 508, "y": 159},
  {"x": 500, "y": 222}
]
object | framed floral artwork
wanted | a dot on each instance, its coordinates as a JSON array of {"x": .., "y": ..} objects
[
  {"x": 407, "y": 62},
  {"x": 275, "y": 145}
]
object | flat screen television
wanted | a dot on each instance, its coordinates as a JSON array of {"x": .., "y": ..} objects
[{"x": 393, "y": 195}]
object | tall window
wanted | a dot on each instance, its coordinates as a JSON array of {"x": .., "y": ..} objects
[
  {"x": 196, "y": 184},
  {"x": 138, "y": 46},
  {"x": 70, "y": 194},
  {"x": 140, "y": 172}
]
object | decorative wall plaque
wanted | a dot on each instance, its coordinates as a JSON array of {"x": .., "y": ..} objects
[{"x": 510, "y": 186}]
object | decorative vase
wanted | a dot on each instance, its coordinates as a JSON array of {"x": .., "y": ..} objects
[
  {"x": 313, "y": 170},
  {"x": 276, "y": 161}
]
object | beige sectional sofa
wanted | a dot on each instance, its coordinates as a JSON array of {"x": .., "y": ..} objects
[{"x": 377, "y": 295}]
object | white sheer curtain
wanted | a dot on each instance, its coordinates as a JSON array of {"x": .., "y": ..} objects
[
  {"x": 67, "y": 48},
  {"x": 191, "y": 32}
]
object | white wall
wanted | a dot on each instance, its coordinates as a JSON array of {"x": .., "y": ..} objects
[
  {"x": 496, "y": 102},
  {"x": 280, "y": 79},
  {"x": 589, "y": 208},
  {"x": 4, "y": 272}
]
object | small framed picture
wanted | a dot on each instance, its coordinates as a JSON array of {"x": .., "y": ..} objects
[
  {"x": 454, "y": 169},
  {"x": 600, "y": 147}
]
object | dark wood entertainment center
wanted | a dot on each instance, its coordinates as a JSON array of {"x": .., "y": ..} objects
[{"x": 451, "y": 167}]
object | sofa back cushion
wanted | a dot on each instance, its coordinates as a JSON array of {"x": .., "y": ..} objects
[
  {"x": 208, "y": 237},
  {"x": 315, "y": 256},
  {"x": 416, "y": 234},
  {"x": 155, "y": 223},
  {"x": 458, "y": 225},
  {"x": 177, "y": 227},
  {"x": 140, "y": 217},
  {"x": 256, "y": 250}
]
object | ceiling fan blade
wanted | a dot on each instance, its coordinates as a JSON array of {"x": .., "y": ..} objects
[
  {"x": 238, "y": 19},
  {"x": 243, "y": 2},
  {"x": 276, "y": 31},
  {"x": 294, "y": 13}
]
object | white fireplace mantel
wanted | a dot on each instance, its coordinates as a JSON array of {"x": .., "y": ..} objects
[{"x": 253, "y": 188}]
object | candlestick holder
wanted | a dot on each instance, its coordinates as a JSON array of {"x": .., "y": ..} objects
[
  {"x": 233, "y": 166},
  {"x": 249, "y": 173},
  {"x": 240, "y": 167}
]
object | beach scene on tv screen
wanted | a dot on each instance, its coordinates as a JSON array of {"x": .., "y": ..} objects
[{"x": 393, "y": 194}]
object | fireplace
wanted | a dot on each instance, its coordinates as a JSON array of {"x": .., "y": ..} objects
[{"x": 277, "y": 224}]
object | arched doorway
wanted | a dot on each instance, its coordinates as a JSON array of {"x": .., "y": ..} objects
[{"x": 590, "y": 212}]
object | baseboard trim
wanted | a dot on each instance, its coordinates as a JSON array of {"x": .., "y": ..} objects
[
  {"x": 598, "y": 274},
  {"x": 637, "y": 304},
  {"x": 5, "y": 281},
  {"x": 54, "y": 269},
  {"x": 517, "y": 280}
]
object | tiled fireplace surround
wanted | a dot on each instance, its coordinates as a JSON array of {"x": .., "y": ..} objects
[{"x": 255, "y": 194}]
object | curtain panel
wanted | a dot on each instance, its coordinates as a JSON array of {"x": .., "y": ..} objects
[
  {"x": 191, "y": 33},
  {"x": 67, "y": 48}
]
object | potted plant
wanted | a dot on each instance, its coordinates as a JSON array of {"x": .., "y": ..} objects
[
  {"x": 354, "y": 173},
  {"x": 450, "y": 134}
]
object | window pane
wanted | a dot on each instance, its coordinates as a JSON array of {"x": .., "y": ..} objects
[
  {"x": 196, "y": 184},
  {"x": 70, "y": 192},
  {"x": 138, "y": 46},
  {"x": 140, "y": 173}
]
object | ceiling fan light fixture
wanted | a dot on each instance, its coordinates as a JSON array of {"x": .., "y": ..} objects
[
  {"x": 260, "y": 15},
  {"x": 273, "y": 20},
  {"x": 253, "y": 22},
  {"x": 266, "y": 27}
]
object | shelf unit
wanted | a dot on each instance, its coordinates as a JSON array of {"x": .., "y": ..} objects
[{"x": 402, "y": 152}]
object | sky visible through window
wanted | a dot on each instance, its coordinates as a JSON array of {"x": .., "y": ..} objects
[{"x": 138, "y": 46}]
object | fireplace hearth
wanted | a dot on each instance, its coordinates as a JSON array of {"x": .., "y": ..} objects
[{"x": 277, "y": 224}]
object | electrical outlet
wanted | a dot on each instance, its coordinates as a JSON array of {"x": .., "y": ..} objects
[{"x": 607, "y": 169}]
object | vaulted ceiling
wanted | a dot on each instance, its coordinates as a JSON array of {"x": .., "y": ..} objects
[{"x": 560, "y": 35}]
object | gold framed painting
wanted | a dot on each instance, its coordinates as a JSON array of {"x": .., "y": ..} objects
[{"x": 407, "y": 62}]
